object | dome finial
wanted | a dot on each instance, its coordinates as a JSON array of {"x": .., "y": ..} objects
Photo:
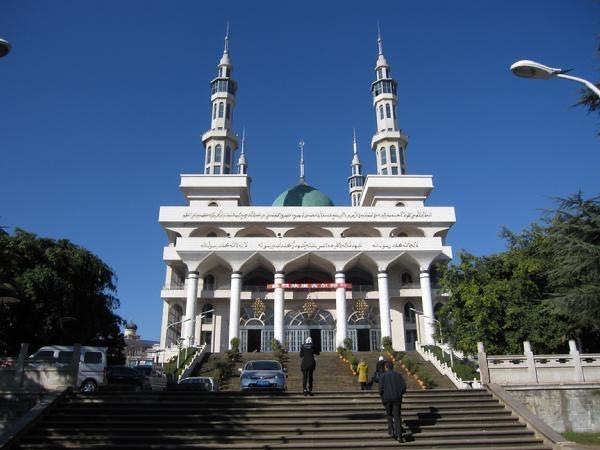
[
  {"x": 354, "y": 142},
  {"x": 379, "y": 40},
  {"x": 301, "y": 145},
  {"x": 243, "y": 138},
  {"x": 226, "y": 48}
]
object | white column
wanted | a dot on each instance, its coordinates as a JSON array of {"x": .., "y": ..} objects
[
  {"x": 278, "y": 308},
  {"x": 427, "y": 304},
  {"x": 384, "y": 305},
  {"x": 340, "y": 310},
  {"x": 234, "y": 307},
  {"x": 190, "y": 307}
]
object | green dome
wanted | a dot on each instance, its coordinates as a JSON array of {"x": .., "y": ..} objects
[{"x": 302, "y": 195}]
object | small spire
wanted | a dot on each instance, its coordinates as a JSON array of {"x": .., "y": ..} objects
[
  {"x": 379, "y": 40},
  {"x": 301, "y": 145},
  {"x": 243, "y": 138},
  {"x": 354, "y": 142},
  {"x": 226, "y": 49}
]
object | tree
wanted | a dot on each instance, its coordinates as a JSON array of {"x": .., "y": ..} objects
[
  {"x": 63, "y": 295},
  {"x": 588, "y": 98},
  {"x": 545, "y": 288},
  {"x": 573, "y": 245}
]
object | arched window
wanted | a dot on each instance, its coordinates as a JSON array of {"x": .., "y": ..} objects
[
  {"x": 388, "y": 113},
  {"x": 214, "y": 110},
  {"x": 381, "y": 112},
  {"x": 208, "y": 316},
  {"x": 402, "y": 234},
  {"x": 213, "y": 204},
  {"x": 211, "y": 234},
  {"x": 379, "y": 74},
  {"x": 218, "y": 153},
  {"x": 227, "y": 111},
  {"x": 220, "y": 109},
  {"x": 393, "y": 155},
  {"x": 208, "y": 155},
  {"x": 383, "y": 156},
  {"x": 226, "y": 72},
  {"x": 209, "y": 282},
  {"x": 400, "y": 204},
  {"x": 409, "y": 314},
  {"x": 228, "y": 155},
  {"x": 406, "y": 278},
  {"x": 402, "y": 163}
]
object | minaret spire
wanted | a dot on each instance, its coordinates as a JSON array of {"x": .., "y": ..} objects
[
  {"x": 356, "y": 180},
  {"x": 301, "y": 145},
  {"x": 242, "y": 163},
  {"x": 388, "y": 143},
  {"x": 220, "y": 141}
]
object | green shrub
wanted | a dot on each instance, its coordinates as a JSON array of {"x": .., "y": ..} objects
[
  {"x": 463, "y": 368},
  {"x": 348, "y": 344},
  {"x": 386, "y": 343}
]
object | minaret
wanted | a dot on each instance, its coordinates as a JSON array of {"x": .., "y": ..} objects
[
  {"x": 301, "y": 146},
  {"x": 242, "y": 164},
  {"x": 388, "y": 143},
  {"x": 220, "y": 142},
  {"x": 356, "y": 180}
]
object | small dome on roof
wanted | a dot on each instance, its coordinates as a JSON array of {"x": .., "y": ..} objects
[
  {"x": 302, "y": 195},
  {"x": 130, "y": 326}
]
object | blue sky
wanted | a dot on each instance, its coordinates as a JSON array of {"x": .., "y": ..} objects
[{"x": 103, "y": 103}]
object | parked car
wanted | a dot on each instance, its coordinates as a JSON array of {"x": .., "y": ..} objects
[
  {"x": 92, "y": 363},
  {"x": 126, "y": 377},
  {"x": 158, "y": 379},
  {"x": 198, "y": 384},
  {"x": 263, "y": 374}
]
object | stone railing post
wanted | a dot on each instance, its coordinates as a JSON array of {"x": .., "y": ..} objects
[
  {"x": 484, "y": 373},
  {"x": 20, "y": 366},
  {"x": 531, "y": 369},
  {"x": 576, "y": 361}
]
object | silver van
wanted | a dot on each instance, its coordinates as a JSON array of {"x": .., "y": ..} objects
[{"x": 92, "y": 363}]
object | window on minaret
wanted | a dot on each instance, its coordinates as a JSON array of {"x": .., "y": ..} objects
[
  {"x": 228, "y": 155},
  {"x": 394, "y": 170},
  {"x": 217, "y": 153},
  {"x": 217, "y": 170},
  {"x": 226, "y": 72},
  {"x": 384, "y": 171},
  {"x": 388, "y": 113},
  {"x": 208, "y": 155},
  {"x": 379, "y": 74},
  {"x": 227, "y": 111},
  {"x": 402, "y": 162},
  {"x": 381, "y": 112},
  {"x": 383, "y": 156},
  {"x": 393, "y": 155},
  {"x": 220, "y": 109},
  {"x": 214, "y": 110}
]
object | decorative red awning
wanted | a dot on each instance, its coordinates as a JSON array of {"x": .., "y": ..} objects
[{"x": 310, "y": 285}]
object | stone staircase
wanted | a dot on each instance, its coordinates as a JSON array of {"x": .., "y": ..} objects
[{"x": 440, "y": 419}]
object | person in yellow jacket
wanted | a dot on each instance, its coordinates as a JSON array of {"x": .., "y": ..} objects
[{"x": 363, "y": 374}]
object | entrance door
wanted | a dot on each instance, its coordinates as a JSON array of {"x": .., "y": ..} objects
[
  {"x": 267, "y": 338},
  {"x": 363, "y": 340},
  {"x": 352, "y": 336},
  {"x": 243, "y": 341},
  {"x": 328, "y": 340},
  {"x": 375, "y": 339},
  {"x": 295, "y": 338},
  {"x": 411, "y": 337},
  {"x": 253, "y": 341},
  {"x": 315, "y": 335}
]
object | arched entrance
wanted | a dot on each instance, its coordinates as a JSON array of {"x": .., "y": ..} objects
[
  {"x": 364, "y": 327},
  {"x": 311, "y": 321},
  {"x": 256, "y": 326}
]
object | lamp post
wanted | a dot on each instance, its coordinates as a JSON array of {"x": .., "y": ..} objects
[
  {"x": 534, "y": 70},
  {"x": 4, "y": 48},
  {"x": 441, "y": 335}
]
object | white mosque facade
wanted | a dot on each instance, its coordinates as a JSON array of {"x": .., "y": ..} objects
[{"x": 303, "y": 267}]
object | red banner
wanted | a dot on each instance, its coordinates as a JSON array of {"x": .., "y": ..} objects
[{"x": 310, "y": 285}]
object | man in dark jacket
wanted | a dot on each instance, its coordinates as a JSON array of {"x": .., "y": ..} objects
[
  {"x": 308, "y": 364},
  {"x": 391, "y": 389}
]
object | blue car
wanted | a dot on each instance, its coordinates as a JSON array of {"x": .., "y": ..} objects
[{"x": 263, "y": 375}]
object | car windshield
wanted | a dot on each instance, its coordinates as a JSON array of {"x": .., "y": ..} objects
[
  {"x": 263, "y": 365},
  {"x": 194, "y": 381}
]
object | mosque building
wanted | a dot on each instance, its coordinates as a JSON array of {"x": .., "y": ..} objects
[{"x": 303, "y": 266}]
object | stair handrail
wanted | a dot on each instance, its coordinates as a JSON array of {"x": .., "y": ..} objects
[
  {"x": 189, "y": 367},
  {"x": 446, "y": 370}
]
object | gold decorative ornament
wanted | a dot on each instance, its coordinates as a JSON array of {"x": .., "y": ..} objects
[
  {"x": 259, "y": 307},
  {"x": 361, "y": 308},
  {"x": 309, "y": 307}
]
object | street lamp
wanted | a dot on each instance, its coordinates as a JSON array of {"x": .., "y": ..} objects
[
  {"x": 4, "y": 48},
  {"x": 532, "y": 69},
  {"x": 441, "y": 335}
]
